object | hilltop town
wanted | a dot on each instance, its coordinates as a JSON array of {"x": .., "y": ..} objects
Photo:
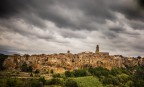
[{"x": 62, "y": 62}]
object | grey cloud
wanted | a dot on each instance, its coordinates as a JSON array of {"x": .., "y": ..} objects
[
  {"x": 47, "y": 11},
  {"x": 111, "y": 35},
  {"x": 138, "y": 47},
  {"x": 93, "y": 11},
  {"x": 58, "y": 11},
  {"x": 133, "y": 14},
  {"x": 28, "y": 32},
  {"x": 72, "y": 34},
  {"x": 52, "y": 12},
  {"x": 141, "y": 3},
  {"x": 137, "y": 25},
  {"x": 120, "y": 30},
  {"x": 32, "y": 19},
  {"x": 9, "y": 7},
  {"x": 71, "y": 18},
  {"x": 8, "y": 49},
  {"x": 131, "y": 11},
  {"x": 117, "y": 29}
]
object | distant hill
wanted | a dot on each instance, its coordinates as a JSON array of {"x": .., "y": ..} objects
[{"x": 7, "y": 52}]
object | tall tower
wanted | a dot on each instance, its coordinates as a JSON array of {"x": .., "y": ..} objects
[
  {"x": 68, "y": 51},
  {"x": 97, "y": 49}
]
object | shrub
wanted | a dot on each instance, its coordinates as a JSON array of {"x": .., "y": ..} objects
[
  {"x": 99, "y": 71},
  {"x": 36, "y": 71},
  {"x": 51, "y": 71},
  {"x": 25, "y": 68},
  {"x": 71, "y": 83},
  {"x": 36, "y": 83},
  {"x": 123, "y": 78},
  {"x": 69, "y": 74},
  {"x": 110, "y": 80},
  {"x": 56, "y": 75},
  {"x": 2, "y": 59},
  {"x": 80, "y": 73},
  {"x": 77, "y": 73},
  {"x": 54, "y": 81},
  {"x": 13, "y": 83},
  {"x": 115, "y": 71},
  {"x": 42, "y": 79}
]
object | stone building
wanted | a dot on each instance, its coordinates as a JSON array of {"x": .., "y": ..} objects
[{"x": 68, "y": 61}]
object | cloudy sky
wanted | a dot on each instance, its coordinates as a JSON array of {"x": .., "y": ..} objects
[{"x": 55, "y": 26}]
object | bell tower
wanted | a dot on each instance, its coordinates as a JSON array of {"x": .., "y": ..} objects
[{"x": 97, "y": 49}]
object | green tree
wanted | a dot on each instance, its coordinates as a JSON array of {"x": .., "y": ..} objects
[
  {"x": 24, "y": 67},
  {"x": 51, "y": 71},
  {"x": 71, "y": 83},
  {"x": 42, "y": 79},
  {"x": 123, "y": 78},
  {"x": 80, "y": 73},
  {"x": 115, "y": 71},
  {"x": 35, "y": 83},
  {"x": 36, "y": 71},
  {"x": 29, "y": 69},
  {"x": 56, "y": 75},
  {"x": 69, "y": 74},
  {"x": 2, "y": 58},
  {"x": 99, "y": 71},
  {"x": 55, "y": 81}
]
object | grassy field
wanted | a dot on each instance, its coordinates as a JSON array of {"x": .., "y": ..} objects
[{"x": 88, "y": 81}]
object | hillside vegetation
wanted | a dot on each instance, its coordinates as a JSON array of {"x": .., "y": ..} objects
[
  {"x": 88, "y": 77},
  {"x": 88, "y": 81}
]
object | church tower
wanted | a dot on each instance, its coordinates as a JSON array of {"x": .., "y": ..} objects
[{"x": 97, "y": 49}]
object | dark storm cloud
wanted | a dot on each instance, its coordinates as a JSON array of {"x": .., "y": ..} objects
[
  {"x": 25, "y": 31},
  {"x": 137, "y": 25},
  {"x": 22, "y": 9},
  {"x": 72, "y": 34},
  {"x": 91, "y": 10},
  {"x": 138, "y": 47},
  {"x": 132, "y": 14},
  {"x": 49, "y": 10},
  {"x": 110, "y": 35},
  {"x": 32, "y": 19},
  {"x": 59, "y": 11},
  {"x": 97, "y": 9},
  {"x": 52, "y": 23},
  {"x": 117, "y": 29},
  {"x": 141, "y": 3},
  {"x": 12, "y": 7},
  {"x": 131, "y": 10}
]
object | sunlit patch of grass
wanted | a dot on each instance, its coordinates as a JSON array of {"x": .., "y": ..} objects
[{"x": 88, "y": 81}]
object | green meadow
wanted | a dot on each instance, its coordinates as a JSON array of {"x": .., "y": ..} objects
[{"x": 88, "y": 81}]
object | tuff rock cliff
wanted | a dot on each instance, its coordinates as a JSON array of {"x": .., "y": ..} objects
[{"x": 68, "y": 61}]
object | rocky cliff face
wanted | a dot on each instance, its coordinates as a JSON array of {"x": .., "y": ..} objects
[{"x": 67, "y": 61}]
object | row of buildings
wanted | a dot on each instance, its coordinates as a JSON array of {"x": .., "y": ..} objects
[{"x": 67, "y": 61}]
